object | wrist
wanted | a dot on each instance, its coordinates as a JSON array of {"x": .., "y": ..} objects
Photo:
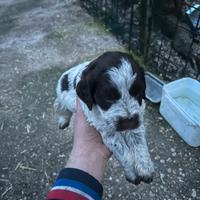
[{"x": 90, "y": 161}]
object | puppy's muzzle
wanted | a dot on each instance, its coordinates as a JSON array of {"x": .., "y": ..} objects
[{"x": 128, "y": 124}]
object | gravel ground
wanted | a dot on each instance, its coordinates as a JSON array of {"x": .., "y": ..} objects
[{"x": 38, "y": 41}]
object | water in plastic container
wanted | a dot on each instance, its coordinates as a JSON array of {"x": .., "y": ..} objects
[{"x": 189, "y": 103}]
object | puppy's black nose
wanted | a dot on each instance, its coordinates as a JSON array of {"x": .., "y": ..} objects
[{"x": 128, "y": 124}]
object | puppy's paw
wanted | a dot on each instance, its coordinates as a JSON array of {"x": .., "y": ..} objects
[
  {"x": 145, "y": 171},
  {"x": 139, "y": 179},
  {"x": 147, "y": 179},
  {"x": 135, "y": 181},
  {"x": 132, "y": 177},
  {"x": 63, "y": 122}
]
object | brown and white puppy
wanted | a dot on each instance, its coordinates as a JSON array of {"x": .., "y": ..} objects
[{"x": 111, "y": 89}]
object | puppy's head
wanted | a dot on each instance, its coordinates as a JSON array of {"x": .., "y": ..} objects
[{"x": 115, "y": 85}]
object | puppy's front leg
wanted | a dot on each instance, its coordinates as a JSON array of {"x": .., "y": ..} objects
[
  {"x": 116, "y": 143},
  {"x": 144, "y": 167},
  {"x": 63, "y": 113}
]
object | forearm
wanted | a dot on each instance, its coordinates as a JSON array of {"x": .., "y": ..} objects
[
  {"x": 90, "y": 161},
  {"x": 83, "y": 172}
]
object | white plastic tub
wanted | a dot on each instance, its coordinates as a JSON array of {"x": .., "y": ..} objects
[{"x": 180, "y": 106}]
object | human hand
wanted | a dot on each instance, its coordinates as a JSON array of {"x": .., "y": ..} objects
[{"x": 88, "y": 153}]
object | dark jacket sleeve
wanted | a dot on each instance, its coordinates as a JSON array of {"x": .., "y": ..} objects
[{"x": 75, "y": 184}]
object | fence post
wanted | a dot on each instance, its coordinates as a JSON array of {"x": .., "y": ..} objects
[
  {"x": 131, "y": 28},
  {"x": 145, "y": 27}
]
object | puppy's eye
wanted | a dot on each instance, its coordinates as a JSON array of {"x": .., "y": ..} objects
[
  {"x": 112, "y": 94},
  {"x": 110, "y": 100}
]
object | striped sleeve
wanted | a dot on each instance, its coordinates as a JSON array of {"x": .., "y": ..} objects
[{"x": 75, "y": 184}]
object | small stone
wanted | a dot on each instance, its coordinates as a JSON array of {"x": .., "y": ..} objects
[
  {"x": 174, "y": 171},
  {"x": 174, "y": 154},
  {"x": 172, "y": 150},
  {"x": 174, "y": 195},
  {"x": 162, "y": 161},
  {"x": 169, "y": 170},
  {"x": 194, "y": 193},
  {"x": 161, "y": 178},
  {"x": 151, "y": 194},
  {"x": 169, "y": 159},
  {"x": 162, "y": 175},
  {"x": 109, "y": 195},
  {"x": 61, "y": 156},
  {"x": 180, "y": 179},
  {"x": 157, "y": 157}
]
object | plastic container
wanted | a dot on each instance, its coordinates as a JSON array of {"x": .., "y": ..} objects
[
  {"x": 153, "y": 87},
  {"x": 180, "y": 106}
]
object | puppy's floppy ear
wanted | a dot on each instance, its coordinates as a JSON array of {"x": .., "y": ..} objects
[
  {"x": 144, "y": 82},
  {"x": 84, "y": 92}
]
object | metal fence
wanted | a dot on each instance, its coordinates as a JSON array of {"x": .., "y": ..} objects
[{"x": 165, "y": 34}]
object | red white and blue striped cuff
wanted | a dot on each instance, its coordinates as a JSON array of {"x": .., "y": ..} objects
[{"x": 76, "y": 184}]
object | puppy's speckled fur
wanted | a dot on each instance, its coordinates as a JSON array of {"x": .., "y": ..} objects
[{"x": 111, "y": 89}]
